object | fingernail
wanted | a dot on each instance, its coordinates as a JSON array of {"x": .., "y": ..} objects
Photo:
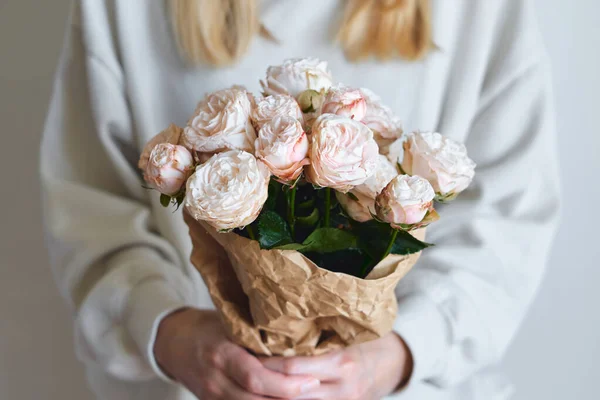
[{"x": 310, "y": 385}]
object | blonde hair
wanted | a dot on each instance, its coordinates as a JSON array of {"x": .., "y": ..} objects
[{"x": 219, "y": 32}]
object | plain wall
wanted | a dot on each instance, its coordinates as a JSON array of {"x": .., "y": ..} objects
[{"x": 556, "y": 353}]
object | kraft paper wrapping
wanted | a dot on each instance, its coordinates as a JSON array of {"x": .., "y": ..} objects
[{"x": 278, "y": 302}]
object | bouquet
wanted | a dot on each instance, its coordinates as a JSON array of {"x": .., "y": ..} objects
[{"x": 306, "y": 205}]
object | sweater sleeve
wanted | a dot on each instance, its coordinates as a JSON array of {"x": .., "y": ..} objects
[
  {"x": 118, "y": 275},
  {"x": 463, "y": 302}
]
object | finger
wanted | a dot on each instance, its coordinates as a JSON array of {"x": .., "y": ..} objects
[
  {"x": 327, "y": 368},
  {"x": 221, "y": 387},
  {"x": 253, "y": 377},
  {"x": 325, "y": 391}
]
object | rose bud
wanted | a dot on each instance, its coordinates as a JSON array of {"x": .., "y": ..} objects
[
  {"x": 169, "y": 135},
  {"x": 342, "y": 154},
  {"x": 359, "y": 203},
  {"x": 346, "y": 102},
  {"x": 311, "y": 101},
  {"x": 405, "y": 201},
  {"x": 267, "y": 108},
  {"x": 295, "y": 76},
  {"x": 442, "y": 161},
  {"x": 168, "y": 168},
  {"x": 381, "y": 120},
  {"x": 221, "y": 122},
  {"x": 228, "y": 191},
  {"x": 283, "y": 146}
]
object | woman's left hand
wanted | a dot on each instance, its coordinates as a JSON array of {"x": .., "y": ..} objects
[{"x": 368, "y": 371}]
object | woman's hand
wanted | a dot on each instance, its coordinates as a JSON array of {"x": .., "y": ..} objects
[
  {"x": 368, "y": 371},
  {"x": 191, "y": 347}
]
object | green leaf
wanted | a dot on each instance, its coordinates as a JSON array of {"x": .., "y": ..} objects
[
  {"x": 349, "y": 261},
  {"x": 306, "y": 205},
  {"x": 324, "y": 240},
  {"x": 374, "y": 238},
  {"x": 290, "y": 246},
  {"x": 407, "y": 244},
  {"x": 165, "y": 200},
  {"x": 272, "y": 230},
  {"x": 309, "y": 220},
  {"x": 274, "y": 190}
]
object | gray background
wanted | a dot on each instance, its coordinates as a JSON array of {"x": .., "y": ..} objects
[{"x": 555, "y": 354}]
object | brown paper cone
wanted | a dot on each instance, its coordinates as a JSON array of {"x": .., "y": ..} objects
[{"x": 278, "y": 302}]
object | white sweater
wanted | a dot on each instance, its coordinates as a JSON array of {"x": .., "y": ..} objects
[{"x": 121, "y": 260}]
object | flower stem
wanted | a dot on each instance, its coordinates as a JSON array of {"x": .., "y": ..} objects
[
  {"x": 387, "y": 252},
  {"x": 250, "y": 231},
  {"x": 327, "y": 207},
  {"x": 292, "y": 209}
]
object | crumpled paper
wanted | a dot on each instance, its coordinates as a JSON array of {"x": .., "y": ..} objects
[{"x": 278, "y": 302}]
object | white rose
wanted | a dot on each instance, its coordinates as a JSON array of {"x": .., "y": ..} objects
[
  {"x": 169, "y": 135},
  {"x": 228, "y": 191},
  {"x": 168, "y": 167},
  {"x": 381, "y": 120},
  {"x": 359, "y": 203},
  {"x": 283, "y": 146},
  {"x": 385, "y": 171},
  {"x": 346, "y": 102},
  {"x": 270, "y": 107},
  {"x": 342, "y": 154},
  {"x": 221, "y": 122},
  {"x": 295, "y": 76},
  {"x": 442, "y": 161},
  {"x": 405, "y": 201}
]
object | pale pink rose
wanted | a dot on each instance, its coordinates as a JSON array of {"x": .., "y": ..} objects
[
  {"x": 267, "y": 108},
  {"x": 342, "y": 154},
  {"x": 168, "y": 167},
  {"x": 346, "y": 102},
  {"x": 381, "y": 120},
  {"x": 442, "y": 161},
  {"x": 394, "y": 151},
  {"x": 221, "y": 122},
  {"x": 169, "y": 135},
  {"x": 228, "y": 191},
  {"x": 251, "y": 98},
  {"x": 385, "y": 171},
  {"x": 283, "y": 146},
  {"x": 358, "y": 207},
  {"x": 405, "y": 201},
  {"x": 295, "y": 76},
  {"x": 359, "y": 203}
]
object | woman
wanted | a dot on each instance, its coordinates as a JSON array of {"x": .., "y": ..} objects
[{"x": 144, "y": 320}]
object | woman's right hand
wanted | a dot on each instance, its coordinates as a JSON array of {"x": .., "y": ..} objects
[{"x": 191, "y": 347}]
